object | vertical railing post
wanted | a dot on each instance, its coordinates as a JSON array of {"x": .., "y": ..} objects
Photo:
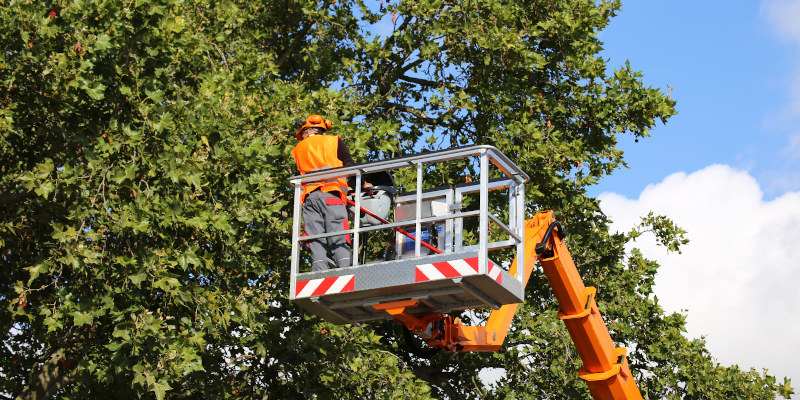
[
  {"x": 295, "y": 269},
  {"x": 512, "y": 213},
  {"x": 483, "y": 224},
  {"x": 448, "y": 225},
  {"x": 417, "y": 223},
  {"x": 458, "y": 227},
  {"x": 519, "y": 197},
  {"x": 356, "y": 220}
]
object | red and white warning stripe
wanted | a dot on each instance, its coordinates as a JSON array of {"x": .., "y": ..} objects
[
  {"x": 454, "y": 269},
  {"x": 332, "y": 285}
]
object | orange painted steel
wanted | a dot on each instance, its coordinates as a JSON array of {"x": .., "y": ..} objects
[{"x": 605, "y": 369}]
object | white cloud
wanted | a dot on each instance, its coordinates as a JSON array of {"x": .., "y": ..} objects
[
  {"x": 738, "y": 277},
  {"x": 784, "y": 16}
]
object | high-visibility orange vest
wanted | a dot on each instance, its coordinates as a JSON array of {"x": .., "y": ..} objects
[{"x": 317, "y": 152}]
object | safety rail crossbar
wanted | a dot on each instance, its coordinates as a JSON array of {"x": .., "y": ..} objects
[
  {"x": 395, "y": 225},
  {"x": 513, "y": 178},
  {"x": 495, "y": 219},
  {"x": 496, "y": 157}
]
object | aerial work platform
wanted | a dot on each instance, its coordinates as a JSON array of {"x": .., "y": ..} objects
[
  {"x": 440, "y": 256},
  {"x": 442, "y": 259}
]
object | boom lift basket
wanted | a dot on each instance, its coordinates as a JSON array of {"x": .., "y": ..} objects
[{"x": 457, "y": 275}]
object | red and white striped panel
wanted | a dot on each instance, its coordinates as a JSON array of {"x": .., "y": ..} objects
[
  {"x": 454, "y": 269},
  {"x": 322, "y": 286}
]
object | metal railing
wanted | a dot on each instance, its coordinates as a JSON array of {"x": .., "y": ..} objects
[{"x": 512, "y": 178}]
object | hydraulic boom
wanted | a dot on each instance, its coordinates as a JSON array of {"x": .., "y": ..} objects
[{"x": 605, "y": 369}]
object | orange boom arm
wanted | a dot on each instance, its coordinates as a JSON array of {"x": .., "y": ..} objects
[{"x": 605, "y": 367}]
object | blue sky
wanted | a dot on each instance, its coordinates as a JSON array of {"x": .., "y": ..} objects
[
  {"x": 726, "y": 169},
  {"x": 733, "y": 68}
]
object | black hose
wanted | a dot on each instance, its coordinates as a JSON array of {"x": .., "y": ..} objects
[{"x": 541, "y": 248}]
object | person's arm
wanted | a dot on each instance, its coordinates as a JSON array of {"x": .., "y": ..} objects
[{"x": 343, "y": 154}]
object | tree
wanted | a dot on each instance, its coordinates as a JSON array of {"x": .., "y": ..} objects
[{"x": 145, "y": 214}]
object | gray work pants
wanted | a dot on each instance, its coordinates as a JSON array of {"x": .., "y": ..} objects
[{"x": 324, "y": 212}]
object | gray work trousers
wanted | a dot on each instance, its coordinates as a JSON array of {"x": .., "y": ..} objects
[{"x": 324, "y": 212}]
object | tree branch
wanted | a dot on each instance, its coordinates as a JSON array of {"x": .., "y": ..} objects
[
  {"x": 292, "y": 47},
  {"x": 9, "y": 198},
  {"x": 414, "y": 64},
  {"x": 425, "y": 82},
  {"x": 420, "y": 115},
  {"x": 52, "y": 377},
  {"x": 389, "y": 75}
]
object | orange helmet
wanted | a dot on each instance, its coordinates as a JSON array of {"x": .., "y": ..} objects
[{"x": 313, "y": 121}]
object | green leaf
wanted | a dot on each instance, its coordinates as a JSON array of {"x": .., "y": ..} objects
[
  {"x": 102, "y": 42},
  {"x": 44, "y": 169},
  {"x": 176, "y": 25},
  {"x": 160, "y": 388},
  {"x": 35, "y": 271},
  {"x": 113, "y": 346},
  {"x": 156, "y": 95},
  {"x": 96, "y": 92},
  {"x": 45, "y": 189},
  {"x": 81, "y": 318},
  {"x": 138, "y": 278}
]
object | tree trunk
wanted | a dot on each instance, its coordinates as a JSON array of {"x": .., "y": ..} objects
[{"x": 50, "y": 378}]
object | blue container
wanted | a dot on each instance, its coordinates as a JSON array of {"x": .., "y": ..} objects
[{"x": 407, "y": 248}]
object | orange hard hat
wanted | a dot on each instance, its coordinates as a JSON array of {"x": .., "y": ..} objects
[{"x": 313, "y": 121}]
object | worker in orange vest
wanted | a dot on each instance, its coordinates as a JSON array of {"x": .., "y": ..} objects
[{"x": 323, "y": 202}]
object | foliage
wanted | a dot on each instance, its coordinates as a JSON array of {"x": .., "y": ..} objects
[{"x": 145, "y": 148}]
